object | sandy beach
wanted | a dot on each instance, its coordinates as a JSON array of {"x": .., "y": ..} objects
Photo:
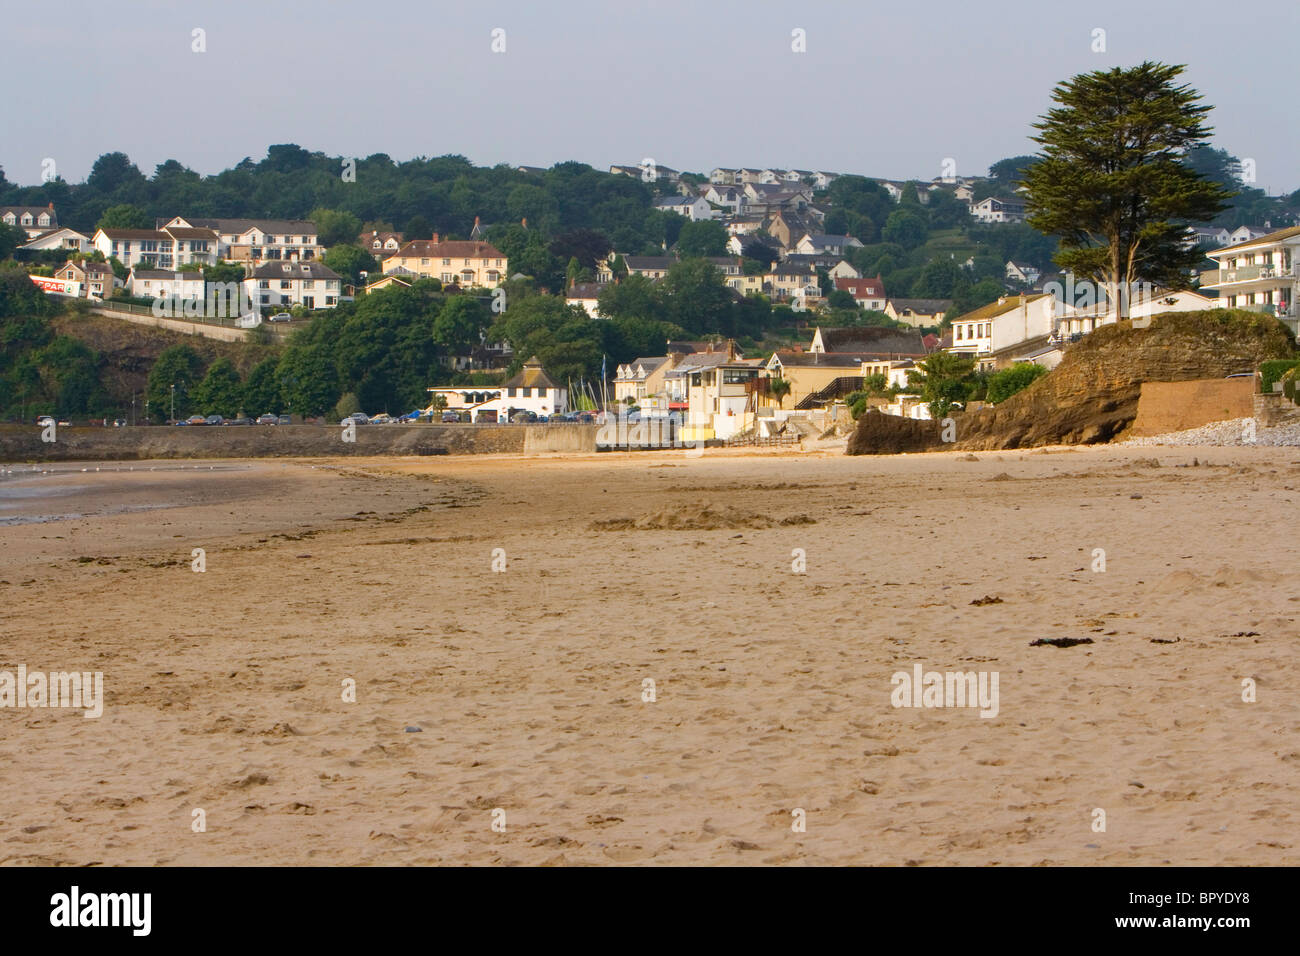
[{"x": 522, "y": 689}]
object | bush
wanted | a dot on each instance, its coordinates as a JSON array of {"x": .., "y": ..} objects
[
  {"x": 1002, "y": 385},
  {"x": 1273, "y": 370},
  {"x": 346, "y": 406}
]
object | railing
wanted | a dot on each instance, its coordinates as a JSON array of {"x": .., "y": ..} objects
[
  {"x": 837, "y": 388},
  {"x": 1251, "y": 273},
  {"x": 770, "y": 441}
]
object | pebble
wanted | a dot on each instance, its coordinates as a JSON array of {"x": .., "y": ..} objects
[
  {"x": 1234, "y": 432},
  {"x": 414, "y": 730}
]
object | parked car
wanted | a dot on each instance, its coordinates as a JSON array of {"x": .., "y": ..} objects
[
  {"x": 45, "y": 420},
  {"x": 197, "y": 420},
  {"x": 238, "y": 421},
  {"x": 119, "y": 423},
  {"x": 281, "y": 317},
  {"x": 450, "y": 417},
  {"x": 284, "y": 420},
  {"x": 268, "y": 419},
  {"x": 361, "y": 418},
  {"x": 214, "y": 420}
]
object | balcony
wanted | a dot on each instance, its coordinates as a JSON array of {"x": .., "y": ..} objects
[{"x": 1253, "y": 273}]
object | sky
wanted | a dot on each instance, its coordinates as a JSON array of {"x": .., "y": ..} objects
[{"x": 886, "y": 90}]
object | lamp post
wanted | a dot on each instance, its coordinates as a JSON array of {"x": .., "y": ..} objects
[{"x": 173, "y": 415}]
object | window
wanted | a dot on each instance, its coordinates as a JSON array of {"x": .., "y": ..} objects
[
  {"x": 446, "y": 262},
  {"x": 284, "y": 283},
  {"x": 510, "y": 392},
  {"x": 425, "y": 262}
]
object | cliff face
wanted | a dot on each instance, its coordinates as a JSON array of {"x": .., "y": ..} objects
[{"x": 1092, "y": 395}]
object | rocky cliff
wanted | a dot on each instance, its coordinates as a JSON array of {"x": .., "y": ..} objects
[{"x": 1092, "y": 395}]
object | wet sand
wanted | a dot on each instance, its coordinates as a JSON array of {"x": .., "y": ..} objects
[{"x": 224, "y": 690}]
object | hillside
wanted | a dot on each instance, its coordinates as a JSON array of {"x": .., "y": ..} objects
[{"x": 127, "y": 351}]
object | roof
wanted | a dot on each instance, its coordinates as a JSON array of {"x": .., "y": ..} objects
[
  {"x": 826, "y": 359},
  {"x": 635, "y": 263},
  {"x": 164, "y": 274},
  {"x": 583, "y": 290},
  {"x": 675, "y": 201},
  {"x": 999, "y": 306},
  {"x": 451, "y": 249},
  {"x": 822, "y": 239},
  {"x": 295, "y": 270},
  {"x": 34, "y": 210},
  {"x": 873, "y": 338},
  {"x": 862, "y": 288},
  {"x": 85, "y": 265},
  {"x": 532, "y": 375},
  {"x": 925, "y": 306},
  {"x": 239, "y": 226}
]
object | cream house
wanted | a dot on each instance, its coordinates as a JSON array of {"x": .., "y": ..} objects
[{"x": 464, "y": 263}]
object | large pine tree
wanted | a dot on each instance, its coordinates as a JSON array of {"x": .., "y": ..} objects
[{"x": 1111, "y": 181}]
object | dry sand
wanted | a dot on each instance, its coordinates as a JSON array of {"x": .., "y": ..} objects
[{"x": 223, "y": 689}]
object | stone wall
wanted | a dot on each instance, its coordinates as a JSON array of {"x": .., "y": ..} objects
[{"x": 1165, "y": 407}]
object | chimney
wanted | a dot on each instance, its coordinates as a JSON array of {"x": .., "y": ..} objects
[{"x": 435, "y": 237}]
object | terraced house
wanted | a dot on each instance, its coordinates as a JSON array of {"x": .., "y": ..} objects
[
  {"x": 158, "y": 248},
  {"x": 1259, "y": 274},
  {"x": 258, "y": 240},
  {"x": 465, "y": 263}
]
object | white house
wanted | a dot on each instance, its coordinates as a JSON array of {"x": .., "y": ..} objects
[
  {"x": 158, "y": 248},
  {"x": 532, "y": 390},
  {"x": 867, "y": 293},
  {"x": 994, "y": 209},
  {"x": 730, "y": 198},
  {"x": 285, "y": 284},
  {"x": 1003, "y": 324},
  {"x": 162, "y": 284},
  {"x": 64, "y": 240},
  {"x": 1260, "y": 274},
  {"x": 815, "y": 244},
  {"x": 694, "y": 208},
  {"x": 1022, "y": 272},
  {"x": 586, "y": 295}
]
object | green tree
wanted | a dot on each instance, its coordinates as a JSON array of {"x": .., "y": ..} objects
[
  {"x": 780, "y": 388},
  {"x": 1006, "y": 382},
  {"x": 349, "y": 261},
  {"x": 262, "y": 389},
  {"x": 335, "y": 227},
  {"x": 1112, "y": 182},
  {"x": 178, "y": 366},
  {"x": 308, "y": 380},
  {"x": 11, "y": 237},
  {"x": 942, "y": 380},
  {"x": 904, "y": 227},
  {"x": 458, "y": 323},
  {"x": 124, "y": 216},
  {"x": 707, "y": 237},
  {"x": 221, "y": 392}
]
